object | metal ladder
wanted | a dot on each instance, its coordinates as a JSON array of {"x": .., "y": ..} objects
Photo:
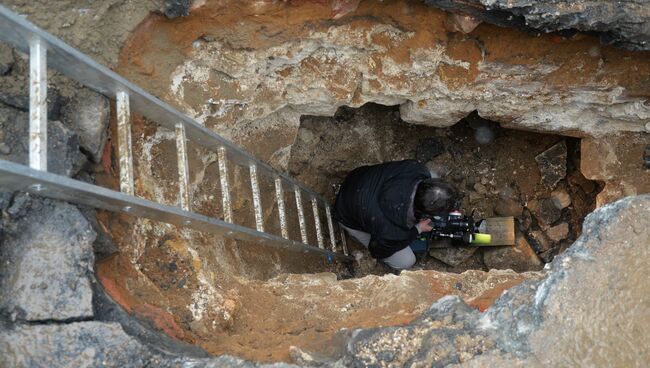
[{"x": 45, "y": 50}]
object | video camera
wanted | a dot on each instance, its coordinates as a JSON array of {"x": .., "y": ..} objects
[{"x": 458, "y": 227}]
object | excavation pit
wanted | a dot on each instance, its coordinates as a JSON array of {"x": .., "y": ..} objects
[
  {"x": 496, "y": 168},
  {"x": 256, "y": 302},
  {"x": 543, "y": 127}
]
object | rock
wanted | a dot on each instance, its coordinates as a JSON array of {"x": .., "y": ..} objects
[
  {"x": 428, "y": 149},
  {"x": 646, "y": 157},
  {"x": 520, "y": 258},
  {"x": 462, "y": 23},
  {"x": 63, "y": 158},
  {"x": 428, "y": 341},
  {"x": 559, "y": 232},
  {"x": 545, "y": 211},
  {"x": 6, "y": 59},
  {"x": 103, "y": 246},
  {"x": 618, "y": 162},
  {"x": 47, "y": 260},
  {"x": 341, "y": 8},
  {"x": 539, "y": 241},
  {"x": 177, "y": 8},
  {"x": 538, "y": 322},
  {"x": 577, "y": 179},
  {"x": 480, "y": 188},
  {"x": 561, "y": 199},
  {"x": 623, "y": 25},
  {"x": 474, "y": 197},
  {"x": 83, "y": 344},
  {"x": 526, "y": 220},
  {"x": 20, "y": 100},
  {"x": 552, "y": 164},
  {"x": 452, "y": 256},
  {"x": 5, "y": 199},
  {"x": 508, "y": 207},
  {"x": 87, "y": 113}
]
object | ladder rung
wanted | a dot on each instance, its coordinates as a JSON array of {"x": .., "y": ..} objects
[
  {"x": 37, "y": 105},
  {"x": 257, "y": 199},
  {"x": 183, "y": 167},
  {"x": 124, "y": 150},
  {"x": 330, "y": 227},
  {"x": 319, "y": 230},
  {"x": 301, "y": 216},
  {"x": 279, "y": 197},
  {"x": 344, "y": 243},
  {"x": 225, "y": 186}
]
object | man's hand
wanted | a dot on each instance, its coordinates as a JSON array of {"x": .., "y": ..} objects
[{"x": 424, "y": 226}]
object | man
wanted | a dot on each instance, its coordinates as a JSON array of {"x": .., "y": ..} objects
[{"x": 386, "y": 206}]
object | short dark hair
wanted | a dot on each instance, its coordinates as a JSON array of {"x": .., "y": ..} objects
[{"x": 435, "y": 197}]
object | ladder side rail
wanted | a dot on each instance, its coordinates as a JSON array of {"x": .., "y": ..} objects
[
  {"x": 18, "y": 32},
  {"x": 19, "y": 177}
]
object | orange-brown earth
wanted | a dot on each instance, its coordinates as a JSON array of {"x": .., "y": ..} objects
[
  {"x": 262, "y": 320},
  {"x": 160, "y": 44}
]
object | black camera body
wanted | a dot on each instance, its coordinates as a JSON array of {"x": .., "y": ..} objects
[{"x": 454, "y": 226}]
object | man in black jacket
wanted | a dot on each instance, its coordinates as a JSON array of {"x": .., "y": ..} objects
[{"x": 387, "y": 206}]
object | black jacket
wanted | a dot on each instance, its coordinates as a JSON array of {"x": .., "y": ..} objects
[{"x": 376, "y": 199}]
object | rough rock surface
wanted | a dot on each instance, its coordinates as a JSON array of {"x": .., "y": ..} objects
[
  {"x": 618, "y": 161},
  {"x": 87, "y": 113},
  {"x": 47, "y": 260},
  {"x": 92, "y": 344},
  {"x": 599, "y": 284},
  {"x": 623, "y": 23},
  {"x": 64, "y": 157},
  {"x": 405, "y": 56}
]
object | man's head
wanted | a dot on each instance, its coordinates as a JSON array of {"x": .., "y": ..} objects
[{"x": 435, "y": 197}]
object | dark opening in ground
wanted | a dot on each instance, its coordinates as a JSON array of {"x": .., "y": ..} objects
[{"x": 503, "y": 172}]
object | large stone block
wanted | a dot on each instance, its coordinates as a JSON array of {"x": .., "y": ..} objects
[
  {"x": 617, "y": 160},
  {"x": 599, "y": 284},
  {"x": 82, "y": 344},
  {"x": 47, "y": 258}
]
